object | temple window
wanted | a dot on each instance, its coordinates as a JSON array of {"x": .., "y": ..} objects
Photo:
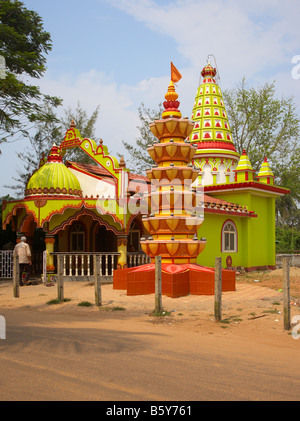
[
  {"x": 229, "y": 237},
  {"x": 77, "y": 238},
  {"x": 134, "y": 238}
]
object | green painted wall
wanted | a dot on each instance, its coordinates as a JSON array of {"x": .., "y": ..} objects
[
  {"x": 256, "y": 236},
  {"x": 211, "y": 229}
]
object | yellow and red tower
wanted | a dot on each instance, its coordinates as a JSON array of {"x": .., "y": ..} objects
[
  {"x": 216, "y": 157},
  {"x": 174, "y": 214}
]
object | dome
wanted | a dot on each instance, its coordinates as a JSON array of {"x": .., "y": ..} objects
[{"x": 53, "y": 178}]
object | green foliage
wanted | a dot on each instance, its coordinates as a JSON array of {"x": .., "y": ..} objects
[
  {"x": 86, "y": 126},
  {"x": 49, "y": 132},
  {"x": 287, "y": 239},
  {"x": 23, "y": 44},
  {"x": 139, "y": 159},
  {"x": 85, "y": 304},
  {"x": 263, "y": 125},
  {"x": 7, "y": 237},
  {"x": 57, "y": 301}
]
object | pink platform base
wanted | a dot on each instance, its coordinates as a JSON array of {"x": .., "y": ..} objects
[{"x": 177, "y": 280}]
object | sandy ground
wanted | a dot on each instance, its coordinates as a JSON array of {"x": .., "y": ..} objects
[{"x": 121, "y": 351}]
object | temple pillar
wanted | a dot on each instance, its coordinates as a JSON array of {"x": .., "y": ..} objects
[
  {"x": 50, "y": 241},
  {"x": 122, "y": 249}
]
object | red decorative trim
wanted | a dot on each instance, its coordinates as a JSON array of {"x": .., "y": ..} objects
[
  {"x": 84, "y": 211},
  {"x": 216, "y": 145},
  {"x": 249, "y": 214},
  {"x": 250, "y": 184}
]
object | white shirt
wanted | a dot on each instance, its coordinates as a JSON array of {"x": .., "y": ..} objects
[{"x": 23, "y": 251}]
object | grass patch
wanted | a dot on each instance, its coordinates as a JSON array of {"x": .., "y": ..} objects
[
  {"x": 273, "y": 311},
  {"x": 117, "y": 308},
  {"x": 57, "y": 301},
  {"x": 85, "y": 304},
  {"x": 230, "y": 319},
  {"x": 225, "y": 321}
]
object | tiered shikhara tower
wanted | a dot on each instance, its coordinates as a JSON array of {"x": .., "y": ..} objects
[
  {"x": 174, "y": 215},
  {"x": 216, "y": 157}
]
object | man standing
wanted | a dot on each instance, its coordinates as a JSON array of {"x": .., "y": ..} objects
[{"x": 22, "y": 250}]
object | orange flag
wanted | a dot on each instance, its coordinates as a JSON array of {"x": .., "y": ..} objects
[{"x": 175, "y": 75}]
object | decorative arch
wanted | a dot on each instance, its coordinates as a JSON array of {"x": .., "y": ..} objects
[{"x": 83, "y": 211}]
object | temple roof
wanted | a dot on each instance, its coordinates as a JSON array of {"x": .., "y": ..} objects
[
  {"x": 265, "y": 170},
  {"x": 53, "y": 178},
  {"x": 244, "y": 163}
]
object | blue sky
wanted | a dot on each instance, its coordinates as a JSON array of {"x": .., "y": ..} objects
[{"x": 117, "y": 54}]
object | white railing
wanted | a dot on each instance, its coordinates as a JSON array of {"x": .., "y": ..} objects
[
  {"x": 137, "y": 259},
  {"x": 6, "y": 264},
  {"x": 75, "y": 264},
  {"x": 80, "y": 265}
]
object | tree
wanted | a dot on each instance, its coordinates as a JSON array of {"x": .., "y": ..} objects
[
  {"x": 138, "y": 156},
  {"x": 23, "y": 45},
  {"x": 49, "y": 132},
  {"x": 264, "y": 125},
  {"x": 86, "y": 126},
  {"x": 7, "y": 237}
]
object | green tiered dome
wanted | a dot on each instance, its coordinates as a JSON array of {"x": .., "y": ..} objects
[
  {"x": 211, "y": 132},
  {"x": 53, "y": 178}
]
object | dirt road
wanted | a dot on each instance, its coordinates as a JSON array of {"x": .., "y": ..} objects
[{"x": 122, "y": 353}]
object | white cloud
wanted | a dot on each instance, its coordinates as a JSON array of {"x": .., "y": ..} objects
[
  {"x": 246, "y": 37},
  {"x": 254, "y": 39},
  {"x": 117, "y": 117}
]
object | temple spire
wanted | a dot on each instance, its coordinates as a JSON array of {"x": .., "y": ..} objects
[
  {"x": 244, "y": 171},
  {"x": 265, "y": 174},
  {"x": 212, "y": 133}
]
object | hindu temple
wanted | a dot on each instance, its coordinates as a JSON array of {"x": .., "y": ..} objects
[{"x": 201, "y": 199}]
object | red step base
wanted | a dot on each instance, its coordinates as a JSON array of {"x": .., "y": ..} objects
[{"x": 177, "y": 280}]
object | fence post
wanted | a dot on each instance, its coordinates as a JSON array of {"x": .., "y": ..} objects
[
  {"x": 286, "y": 293},
  {"x": 158, "y": 300},
  {"x": 16, "y": 277},
  {"x": 60, "y": 282},
  {"x": 98, "y": 295},
  {"x": 218, "y": 288}
]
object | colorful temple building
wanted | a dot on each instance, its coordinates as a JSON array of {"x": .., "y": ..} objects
[
  {"x": 200, "y": 200},
  {"x": 239, "y": 222}
]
